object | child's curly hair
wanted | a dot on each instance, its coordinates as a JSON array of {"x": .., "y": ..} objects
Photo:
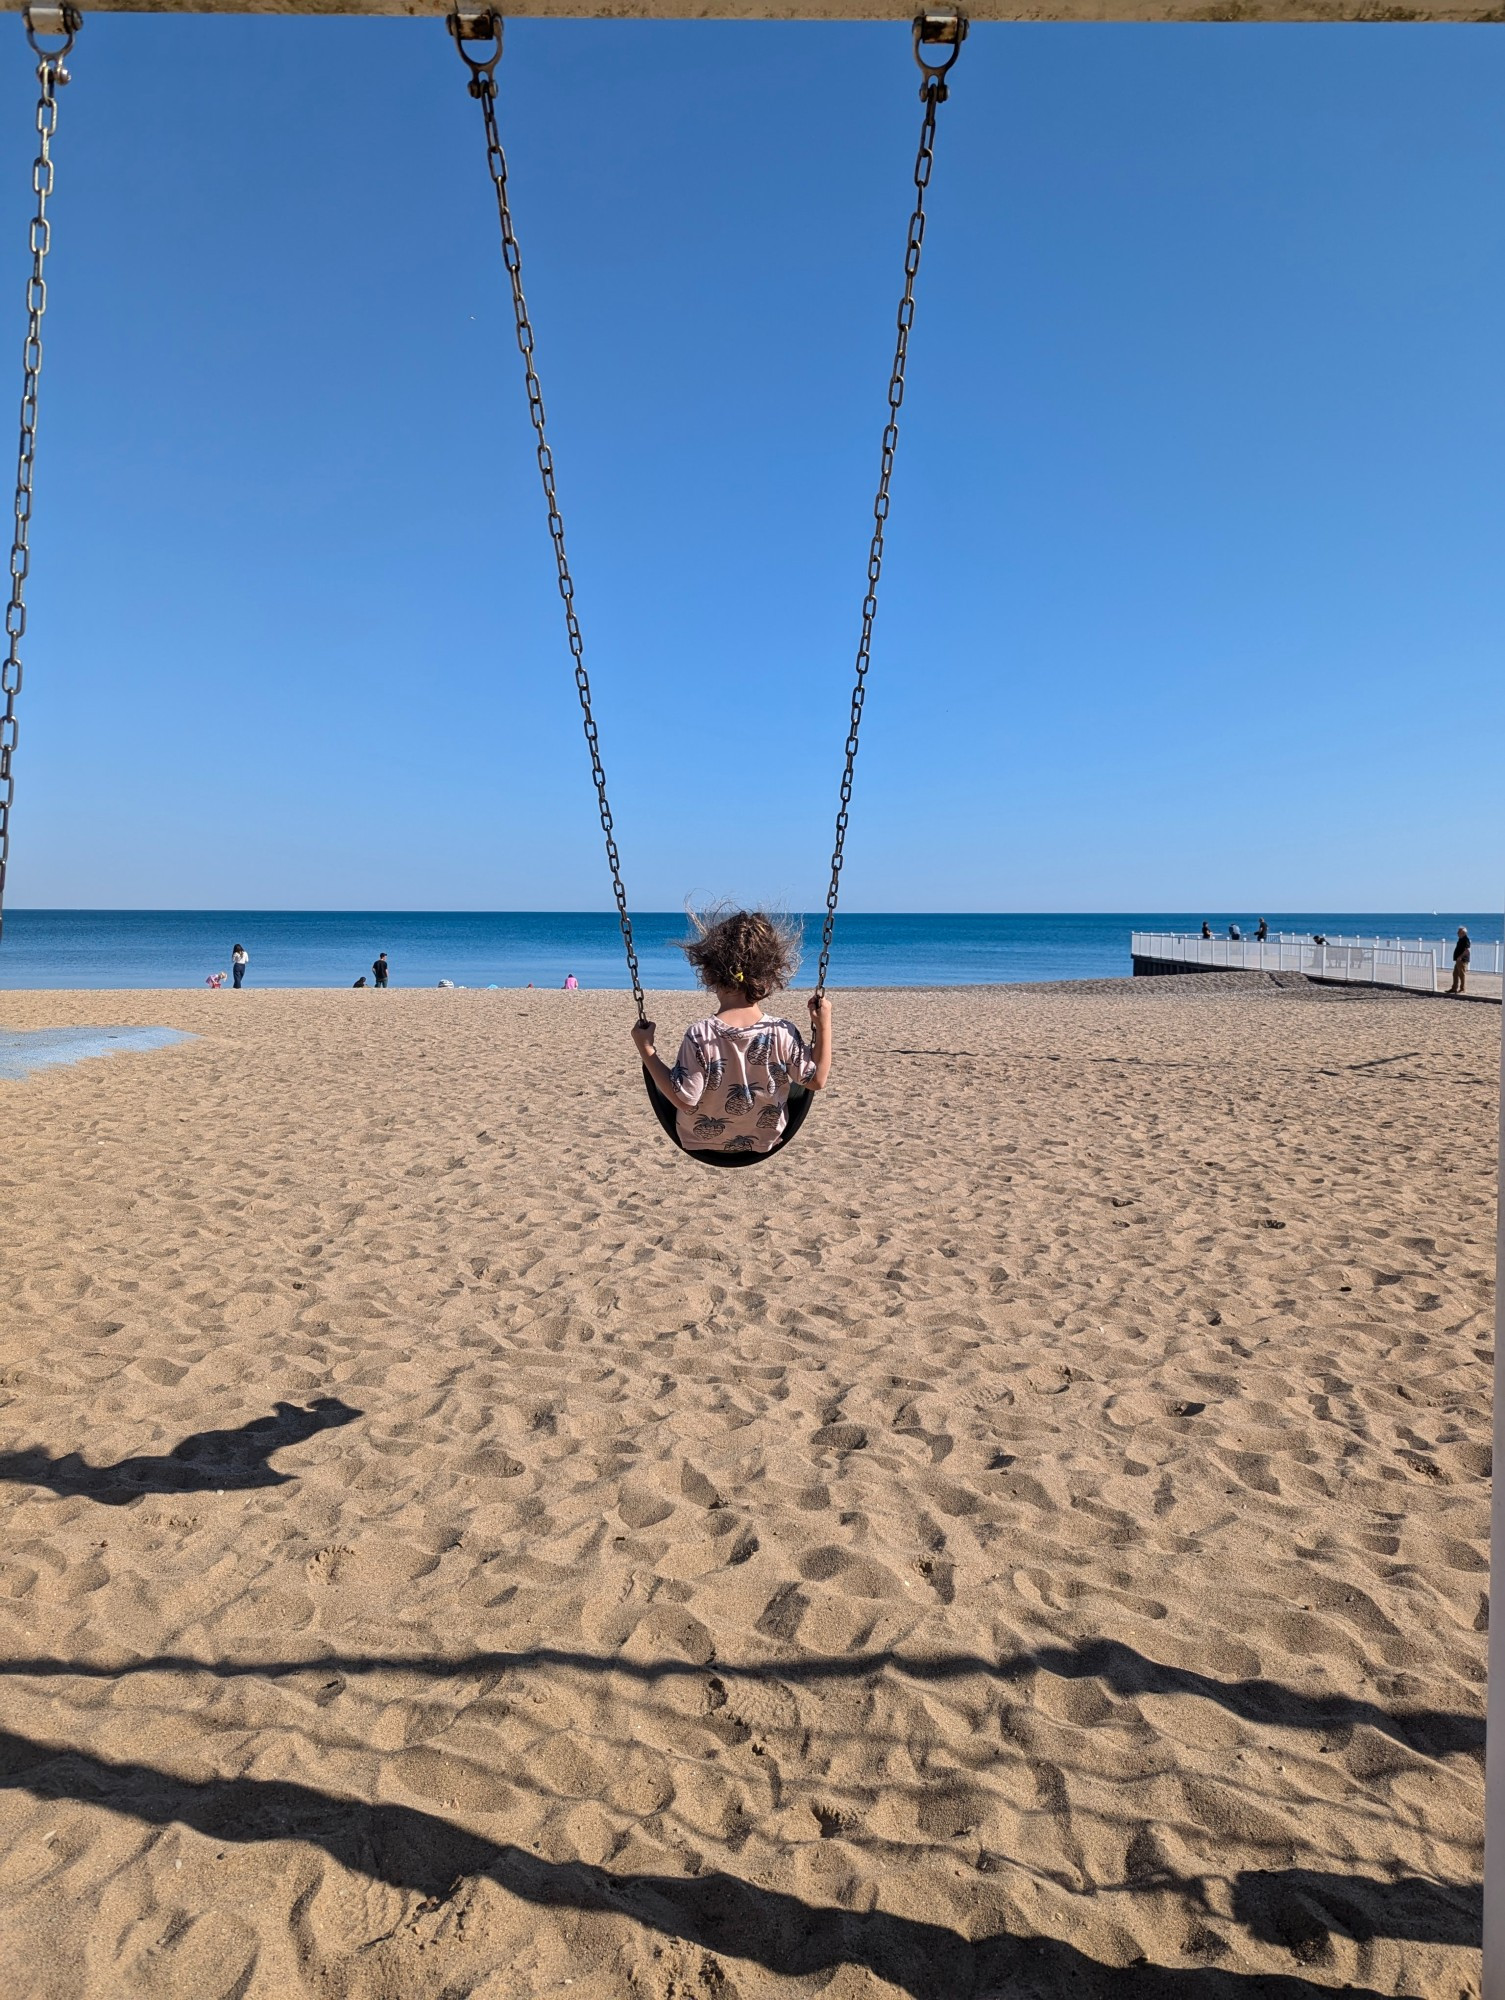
[{"x": 743, "y": 949}]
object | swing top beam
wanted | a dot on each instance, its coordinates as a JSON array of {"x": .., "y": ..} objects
[{"x": 860, "y": 10}]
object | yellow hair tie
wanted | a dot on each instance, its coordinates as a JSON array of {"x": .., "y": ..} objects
[{"x": 738, "y": 977}]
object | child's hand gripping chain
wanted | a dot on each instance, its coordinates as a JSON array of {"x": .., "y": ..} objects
[{"x": 731, "y": 1080}]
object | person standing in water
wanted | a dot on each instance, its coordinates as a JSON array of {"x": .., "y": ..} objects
[
  {"x": 379, "y": 970},
  {"x": 239, "y": 959}
]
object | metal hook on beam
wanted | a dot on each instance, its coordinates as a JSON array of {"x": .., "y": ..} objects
[
  {"x": 478, "y": 24},
  {"x": 938, "y": 27},
  {"x": 65, "y": 21}
]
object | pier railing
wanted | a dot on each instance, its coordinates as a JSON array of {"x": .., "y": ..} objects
[
  {"x": 1486, "y": 955},
  {"x": 1361, "y": 961}
]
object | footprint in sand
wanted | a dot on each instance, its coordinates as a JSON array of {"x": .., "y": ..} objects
[
  {"x": 853, "y": 1575},
  {"x": 840, "y": 1438}
]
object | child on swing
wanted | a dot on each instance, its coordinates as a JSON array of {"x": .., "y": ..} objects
[{"x": 731, "y": 1079}]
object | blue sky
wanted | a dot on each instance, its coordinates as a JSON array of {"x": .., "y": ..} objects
[{"x": 1194, "y": 590}]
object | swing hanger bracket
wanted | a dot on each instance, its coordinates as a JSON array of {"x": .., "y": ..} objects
[
  {"x": 478, "y": 24},
  {"x": 938, "y": 28},
  {"x": 65, "y": 21}
]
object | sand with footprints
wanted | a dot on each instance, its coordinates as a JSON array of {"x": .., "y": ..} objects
[{"x": 1029, "y": 1540}]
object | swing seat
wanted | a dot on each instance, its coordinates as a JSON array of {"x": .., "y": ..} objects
[{"x": 800, "y": 1101}]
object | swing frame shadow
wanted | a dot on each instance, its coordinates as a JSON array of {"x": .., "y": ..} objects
[
  {"x": 419, "y": 1852},
  {"x": 413, "y": 1849}
]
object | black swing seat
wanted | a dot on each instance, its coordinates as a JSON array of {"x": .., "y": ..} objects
[{"x": 800, "y": 1101}]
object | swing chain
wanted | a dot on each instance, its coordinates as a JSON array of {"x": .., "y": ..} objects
[
  {"x": 484, "y": 27},
  {"x": 51, "y": 76},
  {"x": 929, "y": 29}
]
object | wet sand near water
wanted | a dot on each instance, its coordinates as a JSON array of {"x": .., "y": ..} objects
[{"x": 1030, "y": 1540}]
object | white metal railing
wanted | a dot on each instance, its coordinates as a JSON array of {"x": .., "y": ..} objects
[
  {"x": 1486, "y": 956},
  {"x": 1376, "y": 962}
]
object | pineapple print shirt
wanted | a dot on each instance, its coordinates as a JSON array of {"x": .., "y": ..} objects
[{"x": 731, "y": 1085}]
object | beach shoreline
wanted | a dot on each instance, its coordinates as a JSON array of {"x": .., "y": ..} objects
[
  {"x": 1216, "y": 981},
  {"x": 294, "y": 949}
]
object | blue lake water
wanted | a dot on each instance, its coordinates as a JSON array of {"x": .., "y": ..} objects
[{"x": 181, "y": 948}]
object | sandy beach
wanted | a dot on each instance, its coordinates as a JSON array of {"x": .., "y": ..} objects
[{"x": 1028, "y": 1540}]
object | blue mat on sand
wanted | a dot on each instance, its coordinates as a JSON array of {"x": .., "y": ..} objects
[{"x": 23, "y": 1050}]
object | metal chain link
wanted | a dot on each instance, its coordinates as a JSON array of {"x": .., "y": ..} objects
[
  {"x": 486, "y": 27},
  {"x": 933, "y": 94},
  {"x": 51, "y": 76}
]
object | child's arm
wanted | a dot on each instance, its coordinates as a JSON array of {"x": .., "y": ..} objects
[
  {"x": 820, "y": 1037},
  {"x": 658, "y": 1069}
]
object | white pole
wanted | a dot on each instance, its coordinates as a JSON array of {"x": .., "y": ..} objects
[{"x": 1494, "y": 1727}]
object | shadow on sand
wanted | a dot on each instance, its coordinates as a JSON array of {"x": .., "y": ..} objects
[
  {"x": 1431, "y": 1732},
  {"x": 1434, "y": 1732},
  {"x": 208, "y": 1462},
  {"x": 419, "y": 1852}
]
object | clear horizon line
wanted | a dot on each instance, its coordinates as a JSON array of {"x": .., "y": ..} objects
[{"x": 376, "y": 910}]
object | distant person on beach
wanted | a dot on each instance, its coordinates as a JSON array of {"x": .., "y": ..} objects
[
  {"x": 379, "y": 970},
  {"x": 1318, "y": 938},
  {"x": 239, "y": 960},
  {"x": 215, "y": 981},
  {"x": 1206, "y": 928},
  {"x": 1235, "y": 933},
  {"x": 1462, "y": 951},
  {"x": 731, "y": 1079},
  {"x": 358, "y": 982},
  {"x": 571, "y": 983},
  {"x": 1262, "y": 933}
]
